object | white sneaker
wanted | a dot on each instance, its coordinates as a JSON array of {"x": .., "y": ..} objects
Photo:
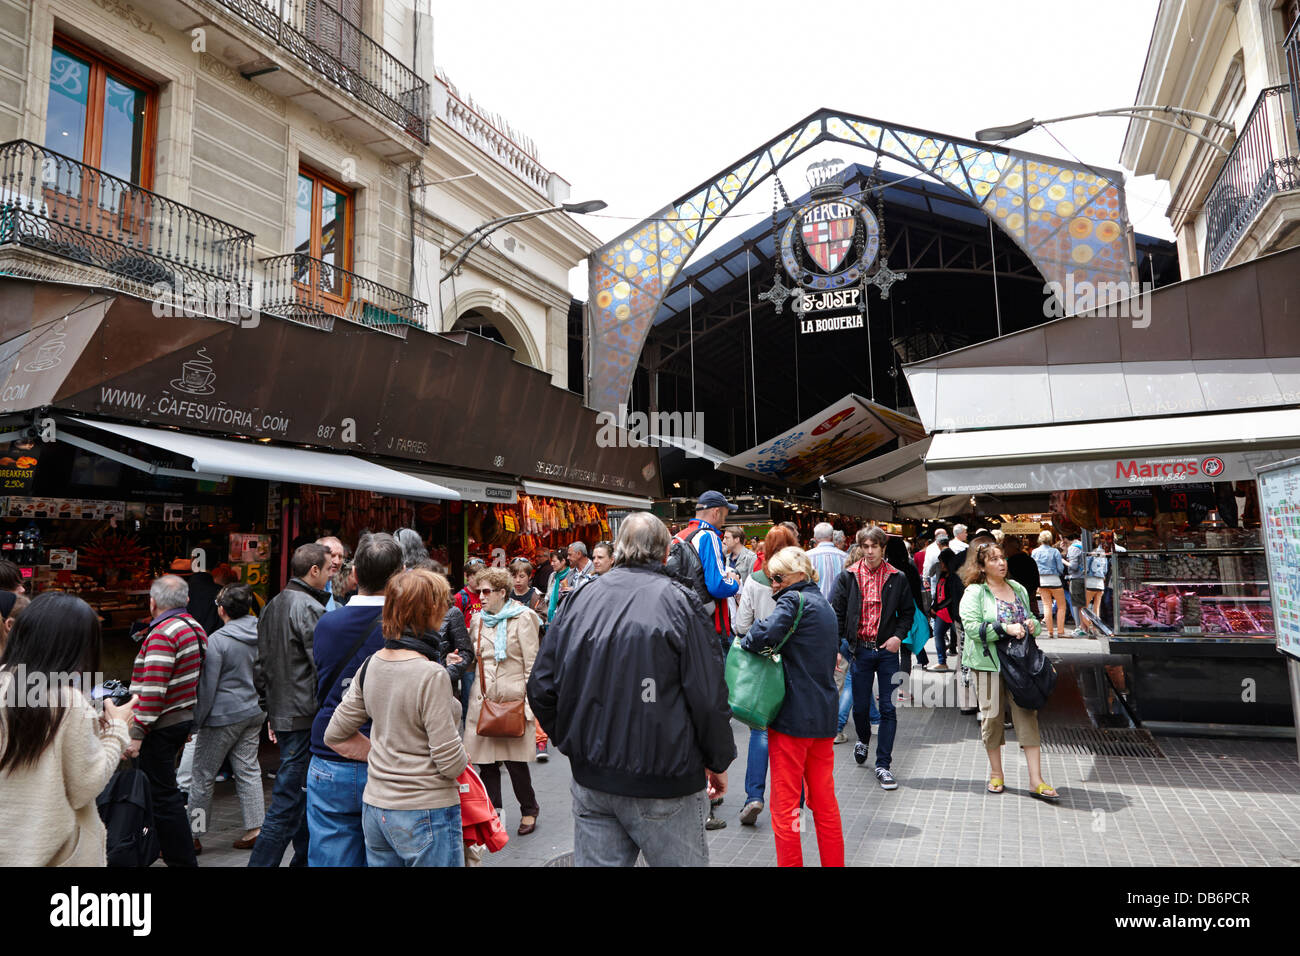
[{"x": 842, "y": 737}]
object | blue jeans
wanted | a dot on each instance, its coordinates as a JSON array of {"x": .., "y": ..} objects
[
  {"x": 941, "y": 628},
  {"x": 846, "y": 704},
  {"x": 609, "y": 829},
  {"x": 286, "y": 821},
  {"x": 413, "y": 837},
  {"x": 756, "y": 766},
  {"x": 335, "y": 834},
  {"x": 870, "y": 665}
]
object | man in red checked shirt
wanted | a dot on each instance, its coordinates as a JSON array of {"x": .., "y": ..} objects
[
  {"x": 166, "y": 678},
  {"x": 874, "y": 605}
]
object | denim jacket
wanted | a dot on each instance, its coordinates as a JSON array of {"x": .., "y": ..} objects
[
  {"x": 1098, "y": 565},
  {"x": 1049, "y": 560}
]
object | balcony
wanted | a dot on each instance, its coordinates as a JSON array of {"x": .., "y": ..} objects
[
  {"x": 334, "y": 48},
  {"x": 63, "y": 208},
  {"x": 1262, "y": 165},
  {"x": 314, "y": 292}
]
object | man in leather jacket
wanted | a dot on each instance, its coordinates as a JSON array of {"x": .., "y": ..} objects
[
  {"x": 285, "y": 678},
  {"x": 629, "y": 686}
]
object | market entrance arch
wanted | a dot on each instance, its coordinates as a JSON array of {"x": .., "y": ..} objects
[{"x": 1069, "y": 219}]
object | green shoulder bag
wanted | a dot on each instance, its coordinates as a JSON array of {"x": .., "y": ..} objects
[{"x": 756, "y": 680}]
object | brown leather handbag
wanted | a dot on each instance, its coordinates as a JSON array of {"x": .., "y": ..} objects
[{"x": 496, "y": 718}]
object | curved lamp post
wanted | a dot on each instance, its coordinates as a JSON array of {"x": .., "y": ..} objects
[
  {"x": 476, "y": 236},
  {"x": 1000, "y": 133}
]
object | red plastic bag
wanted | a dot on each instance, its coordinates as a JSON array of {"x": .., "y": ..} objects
[{"x": 478, "y": 818}]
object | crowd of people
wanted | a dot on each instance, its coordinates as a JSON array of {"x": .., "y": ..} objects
[{"x": 380, "y": 687}]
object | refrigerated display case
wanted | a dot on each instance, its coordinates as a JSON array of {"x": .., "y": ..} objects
[{"x": 1201, "y": 594}]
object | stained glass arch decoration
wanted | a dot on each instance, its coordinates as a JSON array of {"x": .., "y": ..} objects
[{"x": 1067, "y": 218}]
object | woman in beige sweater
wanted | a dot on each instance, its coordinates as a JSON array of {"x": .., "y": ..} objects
[
  {"x": 410, "y": 810},
  {"x": 56, "y": 752}
]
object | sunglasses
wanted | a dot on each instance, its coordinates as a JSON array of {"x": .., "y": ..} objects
[
  {"x": 778, "y": 579},
  {"x": 482, "y": 591}
]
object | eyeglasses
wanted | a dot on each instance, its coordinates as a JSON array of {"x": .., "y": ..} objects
[
  {"x": 778, "y": 579},
  {"x": 482, "y": 591}
]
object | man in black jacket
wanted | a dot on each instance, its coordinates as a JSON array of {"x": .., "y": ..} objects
[
  {"x": 629, "y": 685},
  {"x": 874, "y": 605}
]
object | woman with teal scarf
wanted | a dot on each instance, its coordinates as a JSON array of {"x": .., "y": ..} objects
[
  {"x": 559, "y": 571},
  {"x": 505, "y": 638}
]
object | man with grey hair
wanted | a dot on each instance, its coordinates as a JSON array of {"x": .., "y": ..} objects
[
  {"x": 629, "y": 685},
  {"x": 958, "y": 543},
  {"x": 827, "y": 560},
  {"x": 166, "y": 679},
  {"x": 840, "y": 541},
  {"x": 338, "y": 554}
]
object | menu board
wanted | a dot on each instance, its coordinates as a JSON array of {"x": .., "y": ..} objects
[{"x": 1279, "y": 508}]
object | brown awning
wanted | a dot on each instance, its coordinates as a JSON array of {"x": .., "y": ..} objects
[{"x": 437, "y": 399}]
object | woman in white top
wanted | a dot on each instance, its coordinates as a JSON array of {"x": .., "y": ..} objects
[{"x": 56, "y": 752}]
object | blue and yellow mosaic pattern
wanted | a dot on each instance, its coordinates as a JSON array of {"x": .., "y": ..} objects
[{"x": 1066, "y": 217}]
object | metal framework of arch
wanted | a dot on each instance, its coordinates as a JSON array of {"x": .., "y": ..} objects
[
  {"x": 1068, "y": 218},
  {"x": 511, "y": 324}
]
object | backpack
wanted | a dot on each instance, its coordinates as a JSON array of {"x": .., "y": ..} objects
[
  {"x": 685, "y": 565},
  {"x": 126, "y": 807}
]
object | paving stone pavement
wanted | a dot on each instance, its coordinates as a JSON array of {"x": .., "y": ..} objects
[{"x": 1207, "y": 802}]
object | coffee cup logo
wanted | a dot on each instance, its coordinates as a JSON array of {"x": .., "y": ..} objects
[
  {"x": 197, "y": 376},
  {"x": 50, "y": 352}
]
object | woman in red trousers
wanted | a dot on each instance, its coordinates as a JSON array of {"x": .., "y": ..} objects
[{"x": 800, "y": 737}]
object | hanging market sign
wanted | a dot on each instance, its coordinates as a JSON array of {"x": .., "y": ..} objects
[{"x": 827, "y": 249}]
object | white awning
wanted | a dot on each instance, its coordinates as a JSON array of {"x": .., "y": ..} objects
[
  {"x": 219, "y": 457},
  {"x": 586, "y": 494},
  {"x": 1151, "y": 451},
  {"x": 887, "y": 488}
]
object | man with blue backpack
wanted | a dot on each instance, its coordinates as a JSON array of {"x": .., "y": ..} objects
[{"x": 695, "y": 559}]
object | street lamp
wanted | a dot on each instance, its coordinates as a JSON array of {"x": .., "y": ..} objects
[
  {"x": 476, "y": 236},
  {"x": 999, "y": 133}
]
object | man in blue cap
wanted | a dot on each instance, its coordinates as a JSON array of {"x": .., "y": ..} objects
[{"x": 709, "y": 577}]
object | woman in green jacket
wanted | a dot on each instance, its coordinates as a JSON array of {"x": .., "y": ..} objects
[{"x": 996, "y": 608}]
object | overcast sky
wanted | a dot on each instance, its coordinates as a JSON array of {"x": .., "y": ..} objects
[{"x": 637, "y": 107}]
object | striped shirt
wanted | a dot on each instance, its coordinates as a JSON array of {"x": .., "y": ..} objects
[
  {"x": 828, "y": 561},
  {"x": 166, "y": 673}
]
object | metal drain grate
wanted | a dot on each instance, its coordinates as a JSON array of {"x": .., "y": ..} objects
[{"x": 1100, "y": 741}]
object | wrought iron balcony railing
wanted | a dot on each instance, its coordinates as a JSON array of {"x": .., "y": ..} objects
[
  {"x": 313, "y": 292},
  {"x": 1292, "y": 46},
  {"x": 1259, "y": 165},
  {"x": 55, "y": 204},
  {"x": 335, "y": 48}
]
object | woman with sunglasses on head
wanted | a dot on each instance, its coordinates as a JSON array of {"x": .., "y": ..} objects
[
  {"x": 800, "y": 753},
  {"x": 995, "y": 608},
  {"x": 504, "y": 635},
  {"x": 521, "y": 589},
  {"x": 757, "y": 601}
]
